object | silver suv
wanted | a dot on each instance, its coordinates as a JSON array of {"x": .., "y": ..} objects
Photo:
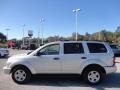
[{"x": 90, "y": 59}]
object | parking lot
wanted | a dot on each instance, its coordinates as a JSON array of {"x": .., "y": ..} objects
[{"x": 112, "y": 81}]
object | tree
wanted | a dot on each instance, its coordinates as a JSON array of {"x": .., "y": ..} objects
[
  {"x": 87, "y": 36},
  {"x": 118, "y": 29},
  {"x": 3, "y": 38},
  {"x": 53, "y": 38},
  {"x": 117, "y": 35},
  {"x": 73, "y": 37}
]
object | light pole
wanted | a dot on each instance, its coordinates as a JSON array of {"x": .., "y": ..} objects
[
  {"x": 42, "y": 20},
  {"x": 38, "y": 37},
  {"x": 76, "y": 21},
  {"x": 7, "y": 32},
  {"x": 23, "y": 34}
]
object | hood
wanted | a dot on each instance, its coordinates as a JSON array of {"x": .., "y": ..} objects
[
  {"x": 3, "y": 49},
  {"x": 17, "y": 57}
]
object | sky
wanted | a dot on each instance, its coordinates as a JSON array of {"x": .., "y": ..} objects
[{"x": 94, "y": 16}]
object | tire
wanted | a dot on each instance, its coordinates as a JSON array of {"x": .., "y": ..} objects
[
  {"x": 21, "y": 75},
  {"x": 93, "y": 76}
]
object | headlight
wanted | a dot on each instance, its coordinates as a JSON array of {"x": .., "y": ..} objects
[{"x": 8, "y": 64}]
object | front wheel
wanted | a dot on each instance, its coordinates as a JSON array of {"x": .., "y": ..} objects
[
  {"x": 21, "y": 75},
  {"x": 93, "y": 76}
]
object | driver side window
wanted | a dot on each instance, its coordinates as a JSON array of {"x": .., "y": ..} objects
[{"x": 50, "y": 50}]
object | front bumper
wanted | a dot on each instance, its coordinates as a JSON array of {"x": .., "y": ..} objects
[
  {"x": 5, "y": 54},
  {"x": 6, "y": 70},
  {"x": 110, "y": 69}
]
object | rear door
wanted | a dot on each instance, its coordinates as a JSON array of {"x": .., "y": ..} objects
[
  {"x": 100, "y": 52},
  {"x": 73, "y": 55}
]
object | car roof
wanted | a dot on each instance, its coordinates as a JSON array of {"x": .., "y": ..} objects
[
  {"x": 114, "y": 44},
  {"x": 76, "y": 42}
]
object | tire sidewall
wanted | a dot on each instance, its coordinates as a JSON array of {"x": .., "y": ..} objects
[
  {"x": 85, "y": 75},
  {"x": 27, "y": 72}
]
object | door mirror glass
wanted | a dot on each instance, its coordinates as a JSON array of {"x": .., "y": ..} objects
[
  {"x": 29, "y": 52},
  {"x": 38, "y": 54}
]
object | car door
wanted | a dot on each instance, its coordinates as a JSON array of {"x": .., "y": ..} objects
[
  {"x": 73, "y": 57},
  {"x": 48, "y": 60}
]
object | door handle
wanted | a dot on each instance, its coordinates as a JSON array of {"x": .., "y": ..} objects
[
  {"x": 56, "y": 58},
  {"x": 83, "y": 57}
]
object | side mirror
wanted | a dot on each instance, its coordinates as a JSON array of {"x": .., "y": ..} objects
[
  {"x": 38, "y": 54},
  {"x": 29, "y": 52}
]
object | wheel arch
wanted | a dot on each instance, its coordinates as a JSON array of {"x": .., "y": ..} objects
[
  {"x": 94, "y": 66},
  {"x": 32, "y": 71}
]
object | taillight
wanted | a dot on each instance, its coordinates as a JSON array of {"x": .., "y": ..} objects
[{"x": 113, "y": 60}]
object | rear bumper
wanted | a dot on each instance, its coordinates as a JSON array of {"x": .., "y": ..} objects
[
  {"x": 110, "y": 69},
  {"x": 6, "y": 70}
]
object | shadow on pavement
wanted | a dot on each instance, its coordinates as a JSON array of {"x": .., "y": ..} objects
[{"x": 111, "y": 81}]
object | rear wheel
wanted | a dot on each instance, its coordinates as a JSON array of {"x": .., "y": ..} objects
[
  {"x": 93, "y": 76},
  {"x": 21, "y": 75}
]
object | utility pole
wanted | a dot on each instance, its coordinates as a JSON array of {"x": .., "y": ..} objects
[{"x": 99, "y": 35}]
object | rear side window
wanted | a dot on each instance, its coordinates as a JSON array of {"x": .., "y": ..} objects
[
  {"x": 73, "y": 48},
  {"x": 96, "y": 48},
  {"x": 114, "y": 46}
]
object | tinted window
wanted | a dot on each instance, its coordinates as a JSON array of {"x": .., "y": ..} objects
[
  {"x": 73, "y": 48},
  {"x": 96, "y": 48},
  {"x": 50, "y": 50},
  {"x": 114, "y": 46}
]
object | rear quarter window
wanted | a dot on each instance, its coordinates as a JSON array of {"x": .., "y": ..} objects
[{"x": 96, "y": 48}]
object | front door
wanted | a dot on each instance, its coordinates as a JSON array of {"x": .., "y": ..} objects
[{"x": 49, "y": 59}]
